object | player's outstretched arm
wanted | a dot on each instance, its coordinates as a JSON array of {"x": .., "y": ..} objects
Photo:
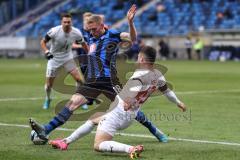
[
  {"x": 171, "y": 96},
  {"x": 132, "y": 35},
  {"x": 130, "y": 16}
]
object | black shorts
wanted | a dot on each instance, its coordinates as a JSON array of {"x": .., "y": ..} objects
[{"x": 91, "y": 89}]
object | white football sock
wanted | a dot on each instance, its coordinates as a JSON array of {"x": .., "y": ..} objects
[
  {"x": 112, "y": 146},
  {"x": 48, "y": 92},
  {"x": 83, "y": 130}
]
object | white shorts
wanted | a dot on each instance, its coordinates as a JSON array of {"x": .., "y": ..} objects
[
  {"x": 117, "y": 119},
  {"x": 53, "y": 67}
]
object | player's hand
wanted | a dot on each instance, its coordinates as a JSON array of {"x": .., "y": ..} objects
[
  {"x": 182, "y": 106},
  {"x": 131, "y": 13},
  {"x": 48, "y": 55}
]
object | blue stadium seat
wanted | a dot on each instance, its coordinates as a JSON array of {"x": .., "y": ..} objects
[{"x": 178, "y": 18}]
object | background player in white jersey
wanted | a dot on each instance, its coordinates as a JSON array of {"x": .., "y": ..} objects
[
  {"x": 123, "y": 110},
  {"x": 60, "y": 54}
]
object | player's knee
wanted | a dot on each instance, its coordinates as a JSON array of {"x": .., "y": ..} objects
[
  {"x": 78, "y": 79},
  {"x": 76, "y": 75},
  {"x": 76, "y": 101}
]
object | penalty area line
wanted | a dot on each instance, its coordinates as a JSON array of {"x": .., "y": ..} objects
[{"x": 139, "y": 136}]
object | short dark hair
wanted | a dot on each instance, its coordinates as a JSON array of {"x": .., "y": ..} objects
[
  {"x": 149, "y": 53},
  {"x": 68, "y": 15}
]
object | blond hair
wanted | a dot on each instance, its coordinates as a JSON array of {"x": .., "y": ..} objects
[{"x": 95, "y": 19}]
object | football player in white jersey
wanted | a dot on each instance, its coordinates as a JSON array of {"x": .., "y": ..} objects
[
  {"x": 123, "y": 110},
  {"x": 60, "y": 53}
]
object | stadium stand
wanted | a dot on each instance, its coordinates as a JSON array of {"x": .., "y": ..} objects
[
  {"x": 167, "y": 17},
  {"x": 21, "y": 14},
  {"x": 12, "y": 9},
  {"x": 77, "y": 8},
  {"x": 155, "y": 18},
  {"x": 180, "y": 17}
]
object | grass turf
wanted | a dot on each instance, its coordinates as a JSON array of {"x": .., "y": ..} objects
[{"x": 210, "y": 90}]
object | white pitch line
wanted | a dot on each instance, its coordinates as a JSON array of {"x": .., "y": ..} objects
[
  {"x": 205, "y": 141},
  {"x": 180, "y": 93},
  {"x": 26, "y": 99},
  {"x": 210, "y": 91},
  {"x": 20, "y": 99},
  {"x": 138, "y": 136}
]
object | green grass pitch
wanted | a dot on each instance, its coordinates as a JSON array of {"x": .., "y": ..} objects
[{"x": 211, "y": 90}]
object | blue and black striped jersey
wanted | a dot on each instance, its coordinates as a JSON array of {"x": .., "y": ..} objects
[{"x": 102, "y": 54}]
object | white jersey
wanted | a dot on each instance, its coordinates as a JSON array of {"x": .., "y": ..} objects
[
  {"x": 137, "y": 90},
  {"x": 61, "y": 42},
  {"x": 141, "y": 85}
]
